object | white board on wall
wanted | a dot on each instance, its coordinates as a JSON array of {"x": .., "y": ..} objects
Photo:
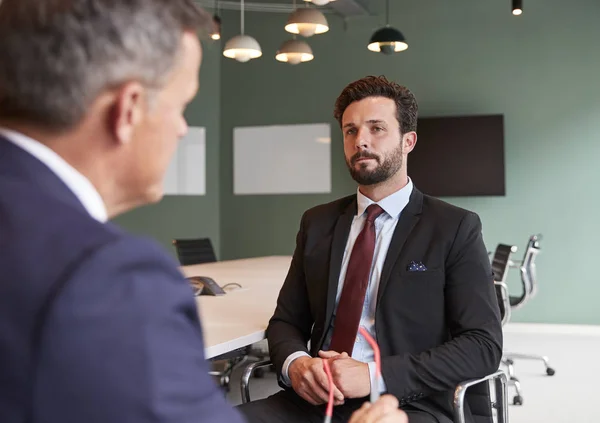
[
  {"x": 186, "y": 174},
  {"x": 282, "y": 159}
]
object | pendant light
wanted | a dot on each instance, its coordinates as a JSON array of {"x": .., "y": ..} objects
[
  {"x": 307, "y": 21},
  {"x": 242, "y": 47},
  {"x": 319, "y": 2},
  {"x": 294, "y": 51},
  {"x": 517, "y": 7},
  {"x": 387, "y": 40},
  {"x": 215, "y": 33}
]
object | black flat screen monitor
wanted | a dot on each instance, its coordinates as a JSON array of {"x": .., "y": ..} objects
[{"x": 459, "y": 156}]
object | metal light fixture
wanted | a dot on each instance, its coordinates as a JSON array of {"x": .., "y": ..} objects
[
  {"x": 307, "y": 22},
  {"x": 215, "y": 34},
  {"x": 294, "y": 52},
  {"x": 517, "y": 7},
  {"x": 319, "y": 2},
  {"x": 242, "y": 47},
  {"x": 387, "y": 40}
]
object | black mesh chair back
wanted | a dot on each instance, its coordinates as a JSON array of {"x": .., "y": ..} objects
[
  {"x": 501, "y": 261},
  {"x": 500, "y": 264},
  {"x": 194, "y": 251},
  {"x": 527, "y": 269}
]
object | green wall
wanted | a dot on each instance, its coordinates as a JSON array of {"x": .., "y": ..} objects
[
  {"x": 191, "y": 216},
  {"x": 540, "y": 70},
  {"x": 466, "y": 57}
]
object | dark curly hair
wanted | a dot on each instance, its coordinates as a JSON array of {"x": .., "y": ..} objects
[{"x": 379, "y": 86}]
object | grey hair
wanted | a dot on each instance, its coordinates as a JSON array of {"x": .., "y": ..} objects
[{"x": 57, "y": 56}]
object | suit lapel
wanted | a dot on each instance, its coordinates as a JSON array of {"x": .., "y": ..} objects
[
  {"x": 408, "y": 219},
  {"x": 338, "y": 245}
]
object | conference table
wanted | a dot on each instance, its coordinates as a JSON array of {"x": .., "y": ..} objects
[{"x": 240, "y": 317}]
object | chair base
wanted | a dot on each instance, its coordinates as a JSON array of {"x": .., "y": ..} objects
[
  {"x": 223, "y": 366},
  {"x": 508, "y": 360},
  {"x": 511, "y": 357}
]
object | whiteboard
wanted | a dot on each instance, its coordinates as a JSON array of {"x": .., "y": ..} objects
[
  {"x": 186, "y": 174},
  {"x": 282, "y": 159}
]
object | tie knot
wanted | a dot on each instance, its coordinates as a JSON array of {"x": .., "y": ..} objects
[{"x": 373, "y": 212}]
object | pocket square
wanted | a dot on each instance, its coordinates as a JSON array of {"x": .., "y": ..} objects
[{"x": 416, "y": 266}]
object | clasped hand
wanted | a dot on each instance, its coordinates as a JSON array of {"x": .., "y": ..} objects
[{"x": 350, "y": 378}]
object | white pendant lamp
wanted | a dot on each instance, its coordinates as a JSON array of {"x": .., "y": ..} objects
[
  {"x": 307, "y": 21},
  {"x": 294, "y": 52},
  {"x": 242, "y": 47},
  {"x": 319, "y": 2}
]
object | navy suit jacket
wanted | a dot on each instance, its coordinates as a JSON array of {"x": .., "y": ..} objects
[{"x": 96, "y": 326}]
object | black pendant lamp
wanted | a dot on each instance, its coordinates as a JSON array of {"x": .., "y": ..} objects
[
  {"x": 517, "y": 7},
  {"x": 215, "y": 32},
  {"x": 387, "y": 40}
]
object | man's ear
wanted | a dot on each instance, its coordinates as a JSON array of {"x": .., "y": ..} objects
[
  {"x": 129, "y": 110},
  {"x": 409, "y": 140}
]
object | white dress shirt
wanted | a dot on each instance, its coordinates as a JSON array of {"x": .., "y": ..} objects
[
  {"x": 385, "y": 225},
  {"x": 75, "y": 181}
]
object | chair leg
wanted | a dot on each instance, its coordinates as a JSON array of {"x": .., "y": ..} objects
[
  {"x": 245, "y": 380},
  {"x": 517, "y": 356},
  {"x": 501, "y": 400},
  {"x": 224, "y": 376},
  {"x": 518, "y": 398}
]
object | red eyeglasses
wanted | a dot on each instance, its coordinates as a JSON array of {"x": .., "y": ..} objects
[{"x": 374, "y": 389}]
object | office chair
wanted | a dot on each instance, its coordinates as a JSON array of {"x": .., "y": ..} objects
[
  {"x": 198, "y": 251},
  {"x": 501, "y": 262},
  {"x": 500, "y": 265},
  {"x": 194, "y": 251},
  {"x": 527, "y": 270}
]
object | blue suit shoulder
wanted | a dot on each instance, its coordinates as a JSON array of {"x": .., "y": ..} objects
[{"x": 115, "y": 326}]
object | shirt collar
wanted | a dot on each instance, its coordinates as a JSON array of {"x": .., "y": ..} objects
[
  {"x": 393, "y": 204},
  {"x": 81, "y": 187}
]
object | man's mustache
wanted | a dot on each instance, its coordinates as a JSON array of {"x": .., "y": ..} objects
[{"x": 363, "y": 155}]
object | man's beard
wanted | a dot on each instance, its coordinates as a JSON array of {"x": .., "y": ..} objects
[{"x": 385, "y": 169}]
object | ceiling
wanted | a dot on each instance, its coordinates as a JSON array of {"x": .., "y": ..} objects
[{"x": 343, "y": 8}]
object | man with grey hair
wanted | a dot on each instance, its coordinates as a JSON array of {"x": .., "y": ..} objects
[{"x": 96, "y": 326}]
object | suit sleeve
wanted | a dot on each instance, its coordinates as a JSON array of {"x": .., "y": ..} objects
[
  {"x": 473, "y": 320},
  {"x": 122, "y": 343},
  {"x": 290, "y": 327}
]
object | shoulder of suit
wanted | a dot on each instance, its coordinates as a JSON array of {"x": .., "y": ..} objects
[
  {"x": 332, "y": 209},
  {"x": 111, "y": 250},
  {"x": 109, "y": 240},
  {"x": 70, "y": 233},
  {"x": 444, "y": 209}
]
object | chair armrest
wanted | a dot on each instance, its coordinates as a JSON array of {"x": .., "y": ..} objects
[
  {"x": 501, "y": 401},
  {"x": 515, "y": 264},
  {"x": 245, "y": 382}
]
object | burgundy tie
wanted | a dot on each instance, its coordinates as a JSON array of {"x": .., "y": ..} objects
[{"x": 352, "y": 299}]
